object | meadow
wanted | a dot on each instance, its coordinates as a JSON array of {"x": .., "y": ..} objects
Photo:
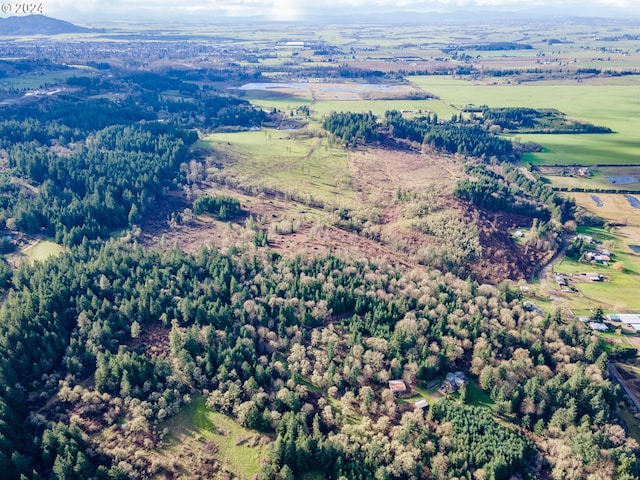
[
  {"x": 198, "y": 430},
  {"x": 306, "y": 166}
]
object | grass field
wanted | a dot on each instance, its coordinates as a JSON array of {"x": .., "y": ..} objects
[
  {"x": 292, "y": 98},
  {"x": 196, "y": 423},
  {"x": 39, "y": 249},
  {"x": 307, "y": 167},
  {"x": 34, "y": 81},
  {"x": 42, "y": 250},
  {"x": 613, "y": 105}
]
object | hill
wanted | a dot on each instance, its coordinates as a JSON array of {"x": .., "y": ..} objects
[{"x": 38, "y": 25}]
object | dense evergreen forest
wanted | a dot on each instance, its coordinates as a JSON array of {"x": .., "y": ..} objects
[
  {"x": 454, "y": 137},
  {"x": 531, "y": 120},
  {"x": 111, "y": 336}
]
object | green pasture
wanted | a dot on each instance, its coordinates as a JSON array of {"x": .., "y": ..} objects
[
  {"x": 379, "y": 107},
  {"x": 305, "y": 166},
  {"x": 196, "y": 422},
  {"x": 35, "y": 81},
  {"x": 611, "y": 104},
  {"x": 619, "y": 293},
  {"x": 269, "y": 99},
  {"x": 42, "y": 250}
]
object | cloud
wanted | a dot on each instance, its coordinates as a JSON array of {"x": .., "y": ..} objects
[{"x": 89, "y": 10}]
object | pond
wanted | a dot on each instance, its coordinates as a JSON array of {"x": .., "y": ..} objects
[
  {"x": 635, "y": 203},
  {"x": 597, "y": 201},
  {"x": 621, "y": 180}
]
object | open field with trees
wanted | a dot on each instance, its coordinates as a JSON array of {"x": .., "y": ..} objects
[
  {"x": 232, "y": 278},
  {"x": 613, "y": 106}
]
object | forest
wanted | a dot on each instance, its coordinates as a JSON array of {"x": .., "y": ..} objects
[{"x": 454, "y": 137}]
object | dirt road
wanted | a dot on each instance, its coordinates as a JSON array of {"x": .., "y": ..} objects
[
  {"x": 618, "y": 378},
  {"x": 548, "y": 268}
]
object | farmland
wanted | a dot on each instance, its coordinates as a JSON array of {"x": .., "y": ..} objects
[{"x": 612, "y": 105}]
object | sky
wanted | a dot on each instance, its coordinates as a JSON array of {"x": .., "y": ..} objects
[{"x": 87, "y": 11}]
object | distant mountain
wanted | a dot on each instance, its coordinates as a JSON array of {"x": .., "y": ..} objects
[{"x": 38, "y": 25}]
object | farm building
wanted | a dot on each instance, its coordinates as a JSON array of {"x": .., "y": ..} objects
[
  {"x": 624, "y": 317},
  {"x": 422, "y": 404},
  {"x": 585, "y": 238},
  {"x": 601, "y": 327},
  {"x": 561, "y": 281},
  {"x": 453, "y": 381},
  {"x": 398, "y": 387}
]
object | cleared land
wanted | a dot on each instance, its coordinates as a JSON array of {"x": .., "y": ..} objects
[{"x": 300, "y": 165}]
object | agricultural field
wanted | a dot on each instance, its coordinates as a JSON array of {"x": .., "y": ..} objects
[{"x": 613, "y": 105}]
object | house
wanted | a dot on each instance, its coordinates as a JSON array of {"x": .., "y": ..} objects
[
  {"x": 398, "y": 387},
  {"x": 453, "y": 381}
]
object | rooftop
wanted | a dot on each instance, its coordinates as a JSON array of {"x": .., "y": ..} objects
[{"x": 397, "y": 386}]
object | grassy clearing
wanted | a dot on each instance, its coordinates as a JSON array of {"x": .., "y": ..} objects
[
  {"x": 42, "y": 250},
  {"x": 196, "y": 423},
  {"x": 305, "y": 166},
  {"x": 478, "y": 397},
  {"x": 612, "y": 105},
  {"x": 39, "y": 249},
  {"x": 632, "y": 423}
]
